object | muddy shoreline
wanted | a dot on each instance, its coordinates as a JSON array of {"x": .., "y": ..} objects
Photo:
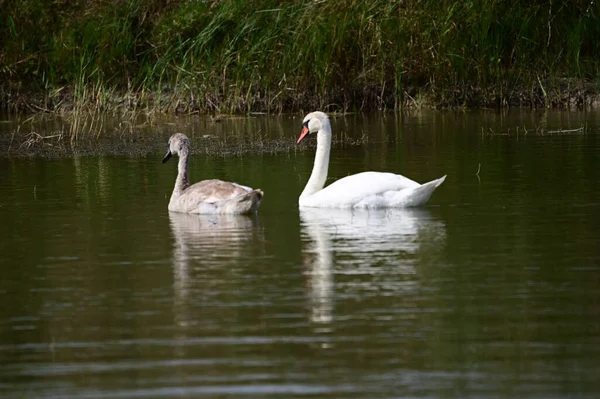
[
  {"x": 51, "y": 136},
  {"x": 136, "y": 145},
  {"x": 82, "y": 133},
  {"x": 566, "y": 93}
]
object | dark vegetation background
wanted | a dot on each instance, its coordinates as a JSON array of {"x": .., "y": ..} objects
[{"x": 239, "y": 56}]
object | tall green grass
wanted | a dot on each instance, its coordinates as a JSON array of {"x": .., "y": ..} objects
[{"x": 265, "y": 55}]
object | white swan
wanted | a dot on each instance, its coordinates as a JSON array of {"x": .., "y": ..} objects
[
  {"x": 362, "y": 190},
  {"x": 207, "y": 196}
]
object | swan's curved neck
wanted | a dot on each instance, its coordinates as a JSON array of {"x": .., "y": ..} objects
[
  {"x": 321, "y": 166},
  {"x": 182, "y": 173}
]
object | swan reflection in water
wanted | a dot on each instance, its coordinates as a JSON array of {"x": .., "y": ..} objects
[
  {"x": 376, "y": 252},
  {"x": 207, "y": 248}
]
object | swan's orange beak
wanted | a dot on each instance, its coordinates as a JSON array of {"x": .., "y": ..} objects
[{"x": 303, "y": 133}]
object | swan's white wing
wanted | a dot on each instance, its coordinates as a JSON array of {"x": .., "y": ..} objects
[
  {"x": 414, "y": 196},
  {"x": 350, "y": 190}
]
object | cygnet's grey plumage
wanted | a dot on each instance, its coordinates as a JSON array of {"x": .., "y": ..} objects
[{"x": 207, "y": 196}]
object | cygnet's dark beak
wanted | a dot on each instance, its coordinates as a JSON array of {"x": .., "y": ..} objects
[{"x": 167, "y": 156}]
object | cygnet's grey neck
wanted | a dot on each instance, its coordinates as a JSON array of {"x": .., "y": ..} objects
[{"x": 182, "y": 172}]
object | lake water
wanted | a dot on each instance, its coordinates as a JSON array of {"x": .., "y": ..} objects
[{"x": 492, "y": 290}]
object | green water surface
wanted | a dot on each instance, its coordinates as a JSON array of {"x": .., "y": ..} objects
[{"x": 491, "y": 290}]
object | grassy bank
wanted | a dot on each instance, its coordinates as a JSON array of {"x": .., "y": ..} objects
[{"x": 238, "y": 56}]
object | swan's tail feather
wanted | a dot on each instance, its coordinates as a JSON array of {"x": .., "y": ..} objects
[
  {"x": 249, "y": 202},
  {"x": 415, "y": 196}
]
